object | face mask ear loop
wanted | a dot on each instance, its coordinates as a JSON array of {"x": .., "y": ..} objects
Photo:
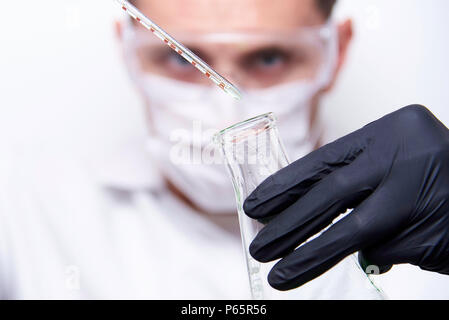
[
  {"x": 132, "y": 66},
  {"x": 129, "y": 45}
]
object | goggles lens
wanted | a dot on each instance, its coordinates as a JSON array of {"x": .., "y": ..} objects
[{"x": 250, "y": 60}]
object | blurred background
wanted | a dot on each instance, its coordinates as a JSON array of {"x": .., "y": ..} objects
[{"x": 63, "y": 83}]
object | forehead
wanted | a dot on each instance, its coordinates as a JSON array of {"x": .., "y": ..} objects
[{"x": 231, "y": 15}]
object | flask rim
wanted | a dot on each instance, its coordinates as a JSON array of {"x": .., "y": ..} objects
[{"x": 267, "y": 121}]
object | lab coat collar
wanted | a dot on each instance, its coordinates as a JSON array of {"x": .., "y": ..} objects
[{"x": 128, "y": 167}]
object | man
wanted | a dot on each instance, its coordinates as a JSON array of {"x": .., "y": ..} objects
[
  {"x": 145, "y": 223},
  {"x": 148, "y": 222}
]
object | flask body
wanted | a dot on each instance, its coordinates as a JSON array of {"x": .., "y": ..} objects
[{"x": 253, "y": 151}]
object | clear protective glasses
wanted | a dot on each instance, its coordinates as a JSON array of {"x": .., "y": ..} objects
[{"x": 252, "y": 60}]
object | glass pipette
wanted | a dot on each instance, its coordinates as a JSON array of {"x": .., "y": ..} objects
[{"x": 192, "y": 58}]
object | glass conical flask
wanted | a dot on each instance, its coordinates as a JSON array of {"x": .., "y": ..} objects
[{"x": 253, "y": 151}]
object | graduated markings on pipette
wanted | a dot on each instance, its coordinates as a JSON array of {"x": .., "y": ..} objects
[
  {"x": 179, "y": 51},
  {"x": 172, "y": 46}
]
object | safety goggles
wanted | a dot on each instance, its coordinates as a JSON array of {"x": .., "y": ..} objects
[{"x": 251, "y": 60}]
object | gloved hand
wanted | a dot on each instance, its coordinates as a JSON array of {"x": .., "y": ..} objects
[{"x": 394, "y": 173}]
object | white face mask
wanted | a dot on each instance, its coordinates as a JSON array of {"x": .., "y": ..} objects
[{"x": 187, "y": 115}]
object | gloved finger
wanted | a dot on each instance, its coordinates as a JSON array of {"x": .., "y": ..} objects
[
  {"x": 343, "y": 189},
  {"x": 357, "y": 230},
  {"x": 404, "y": 247},
  {"x": 283, "y": 188}
]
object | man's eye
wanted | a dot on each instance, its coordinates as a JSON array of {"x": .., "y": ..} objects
[
  {"x": 268, "y": 58},
  {"x": 178, "y": 60}
]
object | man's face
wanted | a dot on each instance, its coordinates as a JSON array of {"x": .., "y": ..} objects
[
  {"x": 253, "y": 43},
  {"x": 256, "y": 44}
]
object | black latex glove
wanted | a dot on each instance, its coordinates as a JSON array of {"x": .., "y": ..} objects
[{"x": 394, "y": 173}]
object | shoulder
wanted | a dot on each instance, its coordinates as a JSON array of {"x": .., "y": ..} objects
[{"x": 40, "y": 173}]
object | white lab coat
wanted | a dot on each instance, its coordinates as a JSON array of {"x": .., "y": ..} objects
[{"x": 107, "y": 228}]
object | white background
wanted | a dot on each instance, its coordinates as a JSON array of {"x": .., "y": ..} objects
[{"x": 62, "y": 82}]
